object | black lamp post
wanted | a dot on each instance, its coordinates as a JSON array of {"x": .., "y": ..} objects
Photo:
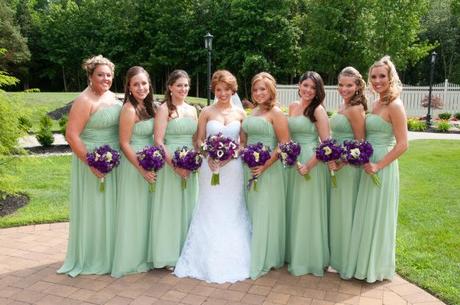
[
  {"x": 433, "y": 61},
  {"x": 208, "y": 45}
]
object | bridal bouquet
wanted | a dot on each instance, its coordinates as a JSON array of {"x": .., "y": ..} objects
[
  {"x": 329, "y": 150},
  {"x": 219, "y": 148},
  {"x": 255, "y": 155},
  {"x": 288, "y": 154},
  {"x": 104, "y": 159},
  {"x": 188, "y": 159},
  {"x": 358, "y": 153},
  {"x": 151, "y": 158}
]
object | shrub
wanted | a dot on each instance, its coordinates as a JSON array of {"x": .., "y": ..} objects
[
  {"x": 45, "y": 135},
  {"x": 9, "y": 131},
  {"x": 63, "y": 124},
  {"x": 329, "y": 113},
  {"x": 25, "y": 124},
  {"x": 436, "y": 102},
  {"x": 444, "y": 115},
  {"x": 457, "y": 115},
  {"x": 443, "y": 126},
  {"x": 30, "y": 90},
  {"x": 416, "y": 125}
]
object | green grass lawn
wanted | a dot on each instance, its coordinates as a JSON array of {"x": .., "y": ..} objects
[
  {"x": 428, "y": 240},
  {"x": 40, "y": 103}
]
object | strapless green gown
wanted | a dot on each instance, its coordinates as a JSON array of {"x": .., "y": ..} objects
[
  {"x": 134, "y": 204},
  {"x": 372, "y": 248},
  {"x": 343, "y": 199},
  {"x": 307, "y": 237},
  {"x": 172, "y": 205},
  {"x": 267, "y": 207},
  {"x": 92, "y": 213}
]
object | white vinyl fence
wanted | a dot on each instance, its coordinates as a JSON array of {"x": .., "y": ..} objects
[{"x": 411, "y": 96}]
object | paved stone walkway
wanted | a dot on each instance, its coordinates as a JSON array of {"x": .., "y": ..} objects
[{"x": 30, "y": 256}]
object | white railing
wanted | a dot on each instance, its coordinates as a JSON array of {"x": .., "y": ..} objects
[{"x": 411, "y": 96}]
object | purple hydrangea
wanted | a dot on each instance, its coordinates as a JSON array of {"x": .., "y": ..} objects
[
  {"x": 329, "y": 150},
  {"x": 188, "y": 159},
  {"x": 151, "y": 158},
  {"x": 219, "y": 148},
  {"x": 255, "y": 155},
  {"x": 104, "y": 159}
]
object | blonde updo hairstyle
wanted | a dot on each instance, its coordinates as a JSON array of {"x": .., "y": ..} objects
[
  {"x": 90, "y": 64},
  {"x": 224, "y": 76},
  {"x": 395, "y": 87},
  {"x": 270, "y": 82},
  {"x": 359, "y": 97}
]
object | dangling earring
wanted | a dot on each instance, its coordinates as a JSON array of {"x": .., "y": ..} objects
[
  {"x": 170, "y": 93},
  {"x": 130, "y": 93},
  {"x": 356, "y": 92}
]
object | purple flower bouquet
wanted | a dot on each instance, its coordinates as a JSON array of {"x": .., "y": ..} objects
[
  {"x": 329, "y": 150},
  {"x": 288, "y": 154},
  {"x": 188, "y": 159},
  {"x": 104, "y": 159},
  {"x": 255, "y": 155},
  {"x": 358, "y": 153},
  {"x": 219, "y": 148},
  {"x": 151, "y": 158}
]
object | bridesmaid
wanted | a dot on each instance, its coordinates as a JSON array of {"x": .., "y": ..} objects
[
  {"x": 134, "y": 199},
  {"x": 93, "y": 122},
  {"x": 175, "y": 125},
  {"x": 347, "y": 124},
  {"x": 372, "y": 248},
  {"x": 267, "y": 210},
  {"x": 307, "y": 237}
]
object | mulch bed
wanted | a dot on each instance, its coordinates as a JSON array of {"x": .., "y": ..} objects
[
  {"x": 12, "y": 202},
  {"x": 53, "y": 149}
]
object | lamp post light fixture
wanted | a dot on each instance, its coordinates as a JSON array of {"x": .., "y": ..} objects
[
  {"x": 208, "y": 45},
  {"x": 432, "y": 62}
]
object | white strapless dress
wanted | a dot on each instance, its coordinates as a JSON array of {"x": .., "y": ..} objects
[{"x": 217, "y": 248}]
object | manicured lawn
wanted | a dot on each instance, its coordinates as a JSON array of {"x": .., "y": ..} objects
[{"x": 428, "y": 240}]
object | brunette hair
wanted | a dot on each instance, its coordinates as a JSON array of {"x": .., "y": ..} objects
[
  {"x": 395, "y": 83},
  {"x": 270, "y": 82},
  {"x": 359, "y": 97},
  {"x": 148, "y": 101},
  {"x": 320, "y": 94},
  {"x": 172, "y": 78}
]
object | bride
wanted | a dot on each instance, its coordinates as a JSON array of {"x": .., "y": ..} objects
[{"x": 218, "y": 241}]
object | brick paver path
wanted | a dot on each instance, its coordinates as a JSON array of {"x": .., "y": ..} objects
[{"x": 30, "y": 256}]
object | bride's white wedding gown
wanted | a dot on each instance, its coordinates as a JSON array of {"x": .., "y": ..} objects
[{"x": 217, "y": 248}]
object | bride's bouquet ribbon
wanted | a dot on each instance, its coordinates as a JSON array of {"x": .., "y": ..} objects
[
  {"x": 219, "y": 148},
  {"x": 255, "y": 155},
  {"x": 188, "y": 159},
  {"x": 103, "y": 158}
]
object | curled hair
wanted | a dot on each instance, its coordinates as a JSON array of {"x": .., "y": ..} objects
[
  {"x": 359, "y": 97},
  {"x": 148, "y": 101},
  {"x": 395, "y": 87},
  {"x": 320, "y": 94},
  {"x": 224, "y": 76},
  {"x": 172, "y": 78},
  {"x": 90, "y": 64},
  {"x": 270, "y": 82}
]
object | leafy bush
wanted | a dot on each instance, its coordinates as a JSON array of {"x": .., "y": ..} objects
[
  {"x": 63, "y": 124},
  {"x": 330, "y": 113},
  {"x": 444, "y": 115},
  {"x": 25, "y": 123},
  {"x": 45, "y": 135},
  {"x": 416, "y": 125},
  {"x": 9, "y": 131},
  {"x": 457, "y": 115},
  {"x": 443, "y": 126},
  {"x": 30, "y": 90}
]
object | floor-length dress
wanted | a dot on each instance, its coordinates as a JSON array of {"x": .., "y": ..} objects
[
  {"x": 92, "y": 212},
  {"x": 172, "y": 205},
  {"x": 372, "y": 249},
  {"x": 134, "y": 204},
  {"x": 267, "y": 205},
  {"x": 217, "y": 248},
  {"x": 343, "y": 198},
  {"x": 307, "y": 238}
]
